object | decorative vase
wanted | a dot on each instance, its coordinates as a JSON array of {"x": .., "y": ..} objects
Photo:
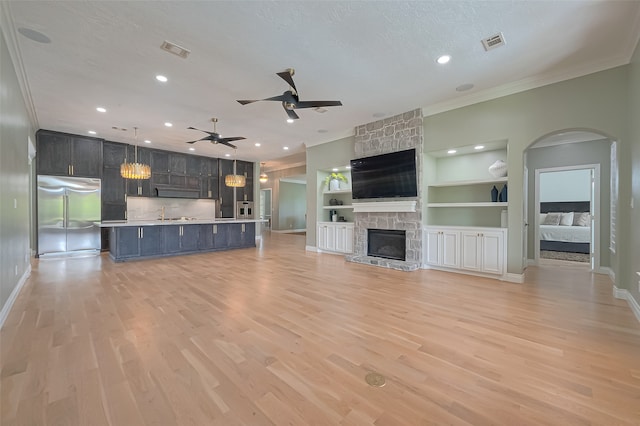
[
  {"x": 503, "y": 194},
  {"x": 494, "y": 194},
  {"x": 334, "y": 185},
  {"x": 498, "y": 169}
]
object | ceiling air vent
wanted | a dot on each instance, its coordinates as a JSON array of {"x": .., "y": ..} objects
[
  {"x": 493, "y": 41},
  {"x": 175, "y": 49}
]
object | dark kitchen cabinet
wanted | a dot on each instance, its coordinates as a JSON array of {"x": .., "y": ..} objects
[
  {"x": 114, "y": 186},
  {"x": 245, "y": 193},
  {"x": 226, "y": 201},
  {"x": 206, "y": 236},
  {"x": 180, "y": 238},
  {"x": 195, "y": 165},
  {"x": 62, "y": 154},
  {"x": 241, "y": 235},
  {"x": 135, "y": 241},
  {"x": 221, "y": 236},
  {"x": 209, "y": 179},
  {"x": 177, "y": 164}
]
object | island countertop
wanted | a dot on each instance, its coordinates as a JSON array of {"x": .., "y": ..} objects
[{"x": 153, "y": 222}]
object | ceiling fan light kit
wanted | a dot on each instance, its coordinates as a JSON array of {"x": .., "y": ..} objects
[{"x": 290, "y": 99}]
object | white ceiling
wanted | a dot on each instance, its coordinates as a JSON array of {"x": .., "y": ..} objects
[{"x": 377, "y": 57}]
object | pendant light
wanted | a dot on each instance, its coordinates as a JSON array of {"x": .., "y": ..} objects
[
  {"x": 235, "y": 180},
  {"x": 135, "y": 170},
  {"x": 263, "y": 176}
]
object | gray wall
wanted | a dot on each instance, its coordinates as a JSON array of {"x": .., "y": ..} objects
[
  {"x": 322, "y": 157},
  {"x": 632, "y": 231},
  {"x": 574, "y": 154},
  {"x": 15, "y": 194},
  {"x": 594, "y": 102},
  {"x": 292, "y": 206}
]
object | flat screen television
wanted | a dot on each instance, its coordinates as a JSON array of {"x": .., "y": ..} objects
[{"x": 389, "y": 175}]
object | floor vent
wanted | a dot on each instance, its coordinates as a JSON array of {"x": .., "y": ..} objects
[{"x": 493, "y": 41}]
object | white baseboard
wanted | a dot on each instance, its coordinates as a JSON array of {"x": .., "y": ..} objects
[
  {"x": 623, "y": 293},
  {"x": 612, "y": 275},
  {"x": 532, "y": 262},
  {"x": 4, "y": 313},
  {"x": 311, "y": 248},
  {"x": 514, "y": 278},
  {"x": 604, "y": 270},
  {"x": 288, "y": 231}
]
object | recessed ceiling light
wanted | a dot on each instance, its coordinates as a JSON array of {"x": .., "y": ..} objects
[
  {"x": 451, "y": 151},
  {"x": 464, "y": 87},
  {"x": 101, "y": 109},
  {"x": 257, "y": 143},
  {"x": 147, "y": 141},
  {"x": 192, "y": 149},
  {"x": 92, "y": 132},
  {"x": 285, "y": 148},
  {"x": 443, "y": 59},
  {"x": 289, "y": 120},
  {"x": 227, "y": 155},
  {"x": 34, "y": 35},
  {"x": 335, "y": 169},
  {"x": 168, "y": 124},
  {"x": 162, "y": 78},
  {"x": 478, "y": 147}
]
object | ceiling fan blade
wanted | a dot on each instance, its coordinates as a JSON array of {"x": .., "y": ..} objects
[
  {"x": 316, "y": 104},
  {"x": 292, "y": 114},
  {"x": 196, "y": 141},
  {"x": 204, "y": 131},
  {"x": 286, "y": 76},
  {"x": 236, "y": 138},
  {"x": 273, "y": 98},
  {"x": 223, "y": 142}
]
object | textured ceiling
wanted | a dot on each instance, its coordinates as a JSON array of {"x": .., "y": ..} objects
[{"x": 378, "y": 58}]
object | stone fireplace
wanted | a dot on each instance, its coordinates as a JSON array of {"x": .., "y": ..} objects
[{"x": 398, "y": 133}]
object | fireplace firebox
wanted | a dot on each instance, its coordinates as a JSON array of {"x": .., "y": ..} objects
[{"x": 387, "y": 243}]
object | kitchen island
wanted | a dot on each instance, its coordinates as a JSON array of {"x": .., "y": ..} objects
[{"x": 145, "y": 239}]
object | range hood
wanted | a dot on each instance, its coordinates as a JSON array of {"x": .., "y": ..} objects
[{"x": 173, "y": 192}]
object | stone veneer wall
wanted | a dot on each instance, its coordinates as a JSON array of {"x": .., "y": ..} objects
[{"x": 398, "y": 133}]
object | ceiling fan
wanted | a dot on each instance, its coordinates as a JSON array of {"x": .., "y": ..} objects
[
  {"x": 290, "y": 100},
  {"x": 215, "y": 138}
]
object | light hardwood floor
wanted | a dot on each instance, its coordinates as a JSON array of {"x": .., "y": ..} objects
[{"x": 280, "y": 336}]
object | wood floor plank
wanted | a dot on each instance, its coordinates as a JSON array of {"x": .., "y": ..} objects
[{"x": 277, "y": 335}]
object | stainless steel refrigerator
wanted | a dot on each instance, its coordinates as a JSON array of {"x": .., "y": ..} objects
[{"x": 67, "y": 210}]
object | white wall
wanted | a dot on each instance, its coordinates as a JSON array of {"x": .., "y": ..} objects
[{"x": 568, "y": 185}]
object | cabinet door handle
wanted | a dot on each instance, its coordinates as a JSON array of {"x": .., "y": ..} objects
[
  {"x": 215, "y": 229},
  {"x": 69, "y": 169},
  {"x": 142, "y": 232},
  {"x": 243, "y": 227},
  {"x": 72, "y": 169},
  {"x": 209, "y": 194}
]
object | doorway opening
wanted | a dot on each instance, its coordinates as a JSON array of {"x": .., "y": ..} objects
[{"x": 265, "y": 207}]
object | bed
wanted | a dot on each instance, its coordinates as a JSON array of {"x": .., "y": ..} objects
[{"x": 565, "y": 226}]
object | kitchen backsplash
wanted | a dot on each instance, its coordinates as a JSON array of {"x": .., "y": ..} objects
[{"x": 145, "y": 208}]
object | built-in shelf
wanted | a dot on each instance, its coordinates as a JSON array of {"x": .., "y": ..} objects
[
  {"x": 487, "y": 204},
  {"x": 337, "y": 207},
  {"x": 469, "y": 182}
]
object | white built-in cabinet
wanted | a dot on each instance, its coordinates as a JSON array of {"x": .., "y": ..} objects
[
  {"x": 335, "y": 237},
  {"x": 443, "y": 247},
  {"x": 480, "y": 251}
]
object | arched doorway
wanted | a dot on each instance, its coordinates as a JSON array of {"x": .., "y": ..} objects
[{"x": 563, "y": 156}]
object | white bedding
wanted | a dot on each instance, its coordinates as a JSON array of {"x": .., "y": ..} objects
[{"x": 571, "y": 234}]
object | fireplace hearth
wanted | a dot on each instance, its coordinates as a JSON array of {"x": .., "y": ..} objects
[{"x": 387, "y": 243}]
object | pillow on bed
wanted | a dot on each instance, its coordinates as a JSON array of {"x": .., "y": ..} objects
[
  {"x": 552, "y": 219},
  {"x": 581, "y": 219},
  {"x": 542, "y": 217},
  {"x": 566, "y": 219}
]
